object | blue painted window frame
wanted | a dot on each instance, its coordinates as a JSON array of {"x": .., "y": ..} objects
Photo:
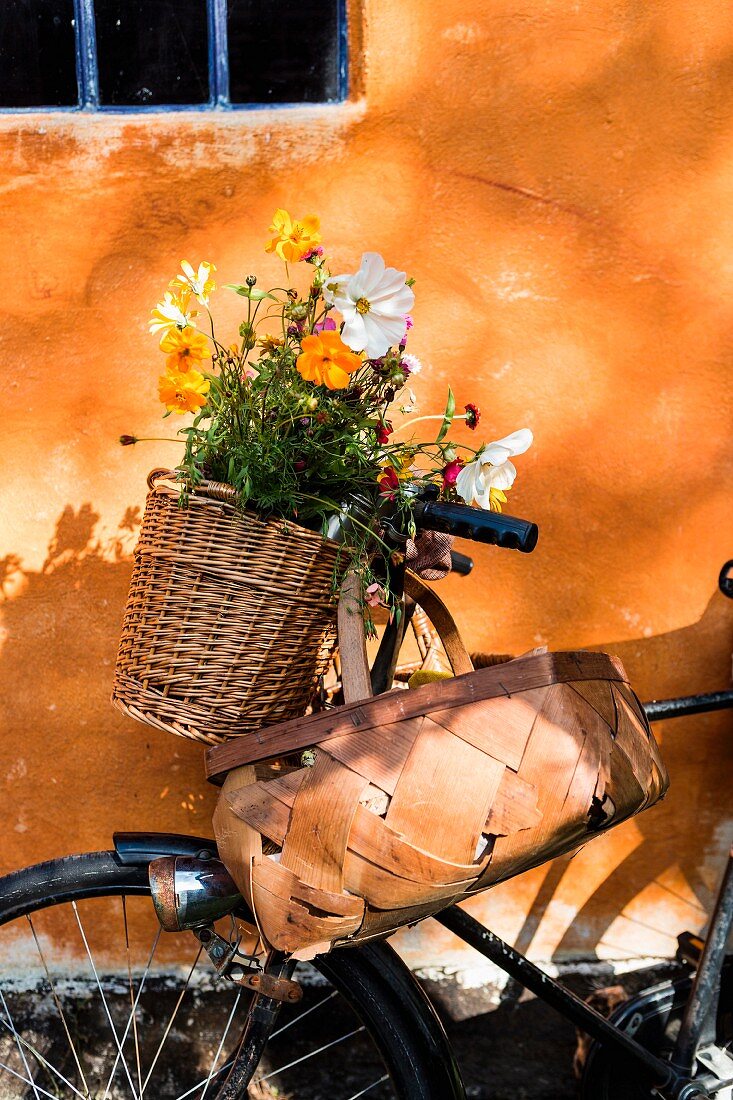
[{"x": 87, "y": 72}]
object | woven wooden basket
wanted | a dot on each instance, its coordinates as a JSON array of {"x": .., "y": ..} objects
[
  {"x": 230, "y": 618},
  {"x": 420, "y": 798}
]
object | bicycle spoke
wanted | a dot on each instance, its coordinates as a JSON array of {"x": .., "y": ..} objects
[
  {"x": 43, "y": 1061},
  {"x": 59, "y": 1009},
  {"x": 197, "y": 1086},
  {"x": 104, "y": 1000},
  {"x": 27, "y": 1081},
  {"x": 369, "y": 1088},
  {"x": 306, "y": 1057},
  {"x": 302, "y": 1016},
  {"x": 131, "y": 1020},
  {"x": 221, "y": 1043},
  {"x": 170, "y": 1022},
  {"x": 140, "y": 989},
  {"x": 18, "y": 1044}
]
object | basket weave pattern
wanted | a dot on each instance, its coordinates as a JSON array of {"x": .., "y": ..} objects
[
  {"x": 230, "y": 618},
  {"x": 419, "y": 798}
]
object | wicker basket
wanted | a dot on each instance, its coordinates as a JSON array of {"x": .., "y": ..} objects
[
  {"x": 230, "y": 619},
  {"x": 420, "y": 798}
]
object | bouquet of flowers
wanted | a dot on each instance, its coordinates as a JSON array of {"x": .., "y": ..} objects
[{"x": 306, "y": 412}]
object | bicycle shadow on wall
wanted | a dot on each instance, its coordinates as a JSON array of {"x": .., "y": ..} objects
[
  {"x": 78, "y": 771},
  {"x": 75, "y": 769},
  {"x": 628, "y": 894}
]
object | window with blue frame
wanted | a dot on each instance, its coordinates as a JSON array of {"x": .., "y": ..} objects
[{"x": 170, "y": 54}]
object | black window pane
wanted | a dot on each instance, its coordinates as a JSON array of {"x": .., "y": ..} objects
[
  {"x": 152, "y": 51},
  {"x": 286, "y": 52},
  {"x": 37, "y": 53}
]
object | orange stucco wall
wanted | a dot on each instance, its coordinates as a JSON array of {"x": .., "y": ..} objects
[{"x": 559, "y": 179}]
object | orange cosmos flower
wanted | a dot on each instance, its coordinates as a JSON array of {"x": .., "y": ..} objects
[
  {"x": 184, "y": 347},
  {"x": 291, "y": 239},
  {"x": 327, "y": 361},
  {"x": 183, "y": 392}
]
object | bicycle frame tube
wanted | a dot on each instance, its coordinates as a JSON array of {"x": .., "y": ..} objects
[
  {"x": 666, "y": 1079},
  {"x": 699, "y": 1021}
]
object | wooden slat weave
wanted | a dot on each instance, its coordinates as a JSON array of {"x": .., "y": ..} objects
[{"x": 483, "y": 776}]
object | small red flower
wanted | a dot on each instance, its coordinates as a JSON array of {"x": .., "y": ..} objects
[
  {"x": 451, "y": 472},
  {"x": 388, "y": 482},
  {"x": 384, "y": 431},
  {"x": 473, "y": 415}
]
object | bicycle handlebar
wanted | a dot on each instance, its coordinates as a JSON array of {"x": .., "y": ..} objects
[{"x": 464, "y": 522}]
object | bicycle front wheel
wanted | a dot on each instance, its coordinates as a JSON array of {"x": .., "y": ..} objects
[{"x": 97, "y": 1003}]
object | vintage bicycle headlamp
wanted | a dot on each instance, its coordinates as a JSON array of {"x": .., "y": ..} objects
[{"x": 189, "y": 892}]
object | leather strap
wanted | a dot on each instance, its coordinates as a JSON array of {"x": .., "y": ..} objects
[{"x": 352, "y": 645}]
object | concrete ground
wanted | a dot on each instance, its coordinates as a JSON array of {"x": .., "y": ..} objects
[
  {"x": 509, "y": 1045},
  {"x": 519, "y": 1048}
]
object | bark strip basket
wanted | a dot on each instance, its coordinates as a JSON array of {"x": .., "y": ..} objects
[
  {"x": 420, "y": 798},
  {"x": 230, "y": 619}
]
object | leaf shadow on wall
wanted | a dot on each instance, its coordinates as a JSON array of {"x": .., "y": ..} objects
[{"x": 75, "y": 769}]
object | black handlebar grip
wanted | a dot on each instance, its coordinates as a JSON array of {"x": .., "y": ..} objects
[
  {"x": 473, "y": 523},
  {"x": 460, "y": 563}
]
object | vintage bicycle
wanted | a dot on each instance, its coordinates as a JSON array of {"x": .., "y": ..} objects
[{"x": 192, "y": 1013}]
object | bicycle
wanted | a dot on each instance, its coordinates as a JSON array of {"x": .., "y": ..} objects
[{"x": 256, "y": 1042}]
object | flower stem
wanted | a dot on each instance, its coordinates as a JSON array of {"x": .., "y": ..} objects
[{"x": 419, "y": 420}]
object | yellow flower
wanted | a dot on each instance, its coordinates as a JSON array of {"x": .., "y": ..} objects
[
  {"x": 184, "y": 347},
  {"x": 327, "y": 361},
  {"x": 183, "y": 393},
  {"x": 406, "y": 460},
  {"x": 293, "y": 239},
  {"x": 496, "y": 499},
  {"x": 171, "y": 313},
  {"x": 271, "y": 344},
  {"x": 198, "y": 282}
]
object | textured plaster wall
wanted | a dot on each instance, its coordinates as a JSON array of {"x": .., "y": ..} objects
[{"x": 559, "y": 179}]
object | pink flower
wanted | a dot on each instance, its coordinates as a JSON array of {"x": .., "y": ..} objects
[
  {"x": 408, "y": 321},
  {"x": 451, "y": 472},
  {"x": 326, "y": 325},
  {"x": 374, "y": 595}
]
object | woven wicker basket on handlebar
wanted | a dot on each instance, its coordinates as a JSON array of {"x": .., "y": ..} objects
[
  {"x": 420, "y": 798},
  {"x": 230, "y": 618}
]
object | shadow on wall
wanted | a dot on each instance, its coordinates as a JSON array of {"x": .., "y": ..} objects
[
  {"x": 76, "y": 770},
  {"x": 667, "y": 879}
]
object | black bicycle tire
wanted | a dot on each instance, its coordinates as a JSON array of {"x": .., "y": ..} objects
[
  {"x": 372, "y": 979},
  {"x": 607, "y": 1075}
]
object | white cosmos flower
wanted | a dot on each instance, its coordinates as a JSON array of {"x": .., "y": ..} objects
[
  {"x": 170, "y": 313},
  {"x": 200, "y": 282},
  {"x": 373, "y": 303},
  {"x": 492, "y": 468},
  {"x": 413, "y": 363}
]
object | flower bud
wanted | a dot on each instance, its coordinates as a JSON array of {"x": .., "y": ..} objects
[
  {"x": 128, "y": 440},
  {"x": 251, "y": 280},
  {"x": 312, "y": 403}
]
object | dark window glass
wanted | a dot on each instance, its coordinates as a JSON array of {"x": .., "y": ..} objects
[
  {"x": 37, "y": 54},
  {"x": 283, "y": 52},
  {"x": 152, "y": 51}
]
